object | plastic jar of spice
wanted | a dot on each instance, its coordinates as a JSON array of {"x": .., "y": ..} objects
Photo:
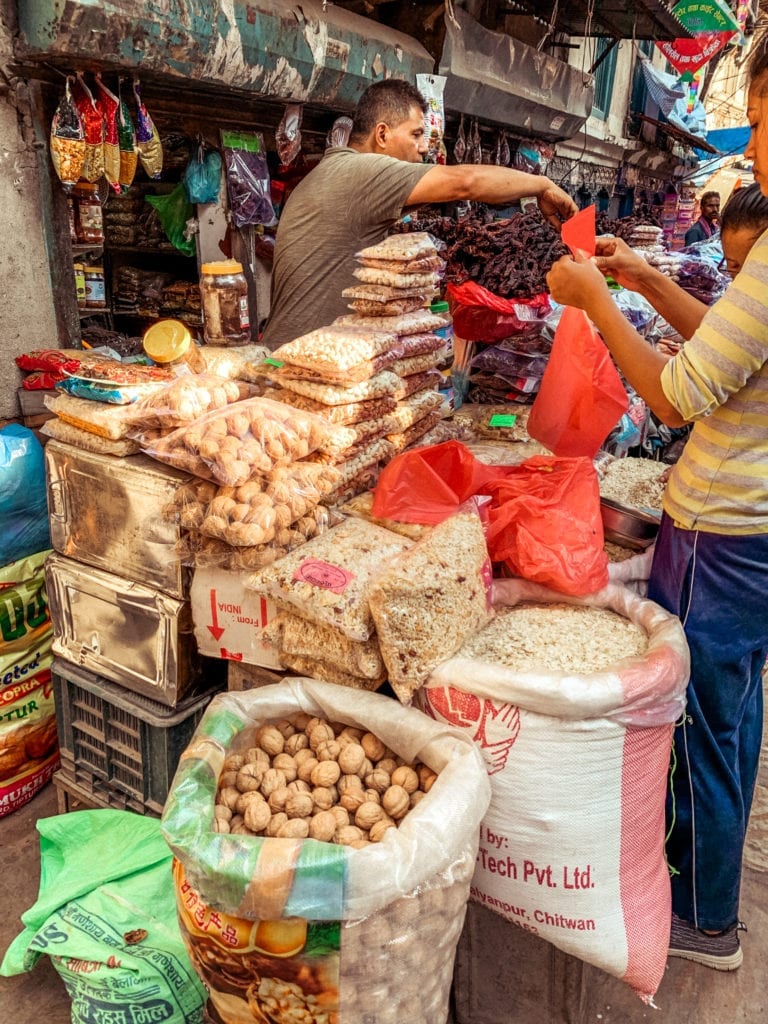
[
  {"x": 446, "y": 333},
  {"x": 224, "y": 295},
  {"x": 170, "y": 341},
  {"x": 79, "y": 270},
  {"x": 89, "y": 223},
  {"x": 95, "y": 291}
]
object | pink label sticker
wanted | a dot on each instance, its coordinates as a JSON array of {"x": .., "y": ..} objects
[{"x": 324, "y": 575}]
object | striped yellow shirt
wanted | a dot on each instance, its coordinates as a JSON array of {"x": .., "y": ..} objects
[{"x": 719, "y": 380}]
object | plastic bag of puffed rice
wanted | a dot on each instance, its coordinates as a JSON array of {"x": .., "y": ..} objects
[
  {"x": 584, "y": 861},
  {"x": 329, "y": 579}
]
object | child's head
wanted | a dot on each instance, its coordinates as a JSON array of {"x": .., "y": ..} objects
[{"x": 742, "y": 220}]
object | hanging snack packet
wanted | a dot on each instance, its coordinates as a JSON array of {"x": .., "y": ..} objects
[
  {"x": 129, "y": 154},
  {"x": 67, "y": 141},
  {"x": 93, "y": 125},
  {"x": 107, "y": 103},
  {"x": 147, "y": 139},
  {"x": 288, "y": 135},
  {"x": 431, "y": 88},
  {"x": 248, "y": 182}
]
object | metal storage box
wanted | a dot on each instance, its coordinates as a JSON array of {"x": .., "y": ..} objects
[
  {"x": 120, "y": 749},
  {"x": 132, "y": 635},
  {"x": 108, "y": 512}
]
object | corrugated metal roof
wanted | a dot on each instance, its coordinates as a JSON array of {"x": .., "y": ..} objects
[{"x": 622, "y": 19}]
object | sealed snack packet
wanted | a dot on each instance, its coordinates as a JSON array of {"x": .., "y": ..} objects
[
  {"x": 147, "y": 138},
  {"x": 129, "y": 154},
  {"x": 93, "y": 126},
  {"x": 67, "y": 141},
  {"x": 107, "y": 103}
]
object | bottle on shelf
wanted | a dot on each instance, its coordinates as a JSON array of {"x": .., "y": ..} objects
[
  {"x": 80, "y": 291},
  {"x": 95, "y": 290},
  {"x": 89, "y": 222}
]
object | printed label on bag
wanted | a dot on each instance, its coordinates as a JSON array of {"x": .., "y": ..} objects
[
  {"x": 324, "y": 575},
  {"x": 502, "y": 420}
]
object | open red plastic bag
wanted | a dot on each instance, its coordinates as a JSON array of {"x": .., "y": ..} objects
[
  {"x": 426, "y": 485},
  {"x": 545, "y": 524},
  {"x": 581, "y": 398},
  {"x": 479, "y": 315}
]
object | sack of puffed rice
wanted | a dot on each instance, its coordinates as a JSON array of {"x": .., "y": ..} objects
[
  {"x": 572, "y": 703},
  {"x": 292, "y": 930}
]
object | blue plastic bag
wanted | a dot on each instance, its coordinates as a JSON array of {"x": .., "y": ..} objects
[
  {"x": 202, "y": 177},
  {"x": 24, "y": 526}
]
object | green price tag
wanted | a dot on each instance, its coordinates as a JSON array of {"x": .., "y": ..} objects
[
  {"x": 273, "y": 362},
  {"x": 503, "y": 420}
]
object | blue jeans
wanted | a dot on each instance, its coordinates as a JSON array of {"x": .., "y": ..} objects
[{"x": 718, "y": 585}]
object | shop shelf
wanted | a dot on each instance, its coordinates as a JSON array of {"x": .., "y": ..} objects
[{"x": 118, "y": 748}]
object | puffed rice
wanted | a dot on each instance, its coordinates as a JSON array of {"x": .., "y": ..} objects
[
  {"x": 430, "y": 600},
  {"x": 550, "y": 638},
  {"x": 409, "y": 323},
  {"x": 634, "y": 482},
  {"x": 298, "y": 637},
  {"x": 335, "y": 349},
  {"x": 329, "y": 579},
  {"x": 410, "y": 246},
  {"x": 370, "y": 275},
  {"x": 384, "y": 383}
]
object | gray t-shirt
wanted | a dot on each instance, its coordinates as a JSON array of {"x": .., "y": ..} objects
[{"x": 349, "y": 201}]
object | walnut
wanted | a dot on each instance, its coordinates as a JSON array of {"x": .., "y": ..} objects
[
  {"x": 299, "y": 805},
  {"x": 249, "y": 777},
  {"x": 405, "y": 777},
  {"x": 323, "y": 826},
  {"x": 278, "y": 798},
  {"x": 347, "y": 835},
  {"x": 396, "y": 802},
  {"x": 325, "y": 773},
  {"x": 287, "y": 766},
  {"x": 257, "y": 815},
  {"x": 351, "y": 758},
  {"x": 273, "y": 779},
  {"x": 294, "y": 828},
  {"x": 378, "y": 780},
  {"x": 380, "y": 828},
  {"x": 373, "y": 746},
  {"x": 367, "y": 814},
  {"x": 270, "y": 739}
]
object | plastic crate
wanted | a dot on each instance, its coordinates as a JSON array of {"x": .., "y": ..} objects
[{"x": 119, "y": 747}]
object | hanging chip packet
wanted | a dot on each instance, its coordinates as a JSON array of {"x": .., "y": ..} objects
[
  {"x": 93, "y": 125},
  {"x": 147, "y": 137},
  {"x": 108, "y": 104},
  {"x": 129, "y": 154},
  {"x": 67, "y": 142}
]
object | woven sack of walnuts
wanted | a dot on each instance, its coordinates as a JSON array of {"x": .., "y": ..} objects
[{"x": 277, "y": 908}]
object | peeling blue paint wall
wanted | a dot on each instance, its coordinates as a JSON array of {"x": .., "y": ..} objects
[{"x": 286, "y": 51}]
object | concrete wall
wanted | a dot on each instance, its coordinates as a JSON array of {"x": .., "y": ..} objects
[{"x": 27, "y": 316}]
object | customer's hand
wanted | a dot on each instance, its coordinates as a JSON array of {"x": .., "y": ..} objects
[
  {"x": 576, "y": 282},
  {"x": 615, "y": 258},
  {"x": 555, "y": 204}
]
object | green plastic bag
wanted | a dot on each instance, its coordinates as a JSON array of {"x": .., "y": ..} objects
[
  {"x": 174, "y": 210},
  {"x": 106, "y": 915}
]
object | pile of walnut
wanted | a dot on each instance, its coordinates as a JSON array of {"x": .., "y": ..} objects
[{"x": 309, "y": 778}]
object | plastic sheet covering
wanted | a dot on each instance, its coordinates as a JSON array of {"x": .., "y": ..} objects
[{"x": 329, "y": 882}]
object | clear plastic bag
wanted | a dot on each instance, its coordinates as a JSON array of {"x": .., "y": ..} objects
[
  {"x": 381, "y": 385},
  {"x": 339, "y": 415},
  {"x": 187, "y": 399},
  {"x": 250, "y": 438},
  {"x": 288, "y": 134},
  {"x": 295, "y": 636},
  {"x": 63, "y": 431},
  {"x": 338, "y": 355},
  {"x": 248, "y": 182},
  {"x": 431, "y": 599}
]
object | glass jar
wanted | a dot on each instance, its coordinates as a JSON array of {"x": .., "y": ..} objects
[
  {"x": 89, "y": 222},
  {"x": 95, "y": 290},
  {"x": 171, "y": 342},
  {"x": 80, "y": 285},
  {"x": 224, "y": 296}
]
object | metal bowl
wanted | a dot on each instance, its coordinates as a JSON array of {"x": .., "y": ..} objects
[{"x": 627, "y": 526}]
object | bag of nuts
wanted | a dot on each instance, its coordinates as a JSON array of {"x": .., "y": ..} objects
[{"x": 285, "y": 925}]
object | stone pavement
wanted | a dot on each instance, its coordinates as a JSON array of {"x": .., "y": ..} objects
[{"x": 503, "y": 975}]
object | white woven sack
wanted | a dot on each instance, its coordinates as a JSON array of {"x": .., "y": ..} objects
[{"x": 572, "y": 846}]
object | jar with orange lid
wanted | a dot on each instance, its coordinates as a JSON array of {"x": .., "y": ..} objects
[
  {"x": 89, "y": 223},
  {"x": 224, "y": 295},
  {"x": 170, "y": 341}
]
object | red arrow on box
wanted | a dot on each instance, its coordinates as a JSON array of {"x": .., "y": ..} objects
[{"x": 216, "y": 631}]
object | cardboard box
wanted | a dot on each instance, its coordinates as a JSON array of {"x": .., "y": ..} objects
[
  {"x": 247, "y": 677},
  {"x": 229, "y": 619}
]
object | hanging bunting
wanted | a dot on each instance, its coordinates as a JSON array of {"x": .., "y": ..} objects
[
  {"x": 693, "y": 90},
  {"x": 713, "y": 26},
  {"x": 742, "y": 13}
]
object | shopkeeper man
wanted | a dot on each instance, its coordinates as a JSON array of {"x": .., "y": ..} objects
[
  {"x": 358, "y": 192},
  {"x": 707, "y": 224}
]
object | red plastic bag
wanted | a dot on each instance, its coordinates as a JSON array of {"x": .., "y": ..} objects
[
  {"x": 581, "y": 398},
  {"x": 479, "y": 315},
  {"x": 426, "y": 485},
  {"x": 545, "y": 524}
]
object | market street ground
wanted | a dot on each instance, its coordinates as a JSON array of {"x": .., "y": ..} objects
[{"x": 689, "y": 994}]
